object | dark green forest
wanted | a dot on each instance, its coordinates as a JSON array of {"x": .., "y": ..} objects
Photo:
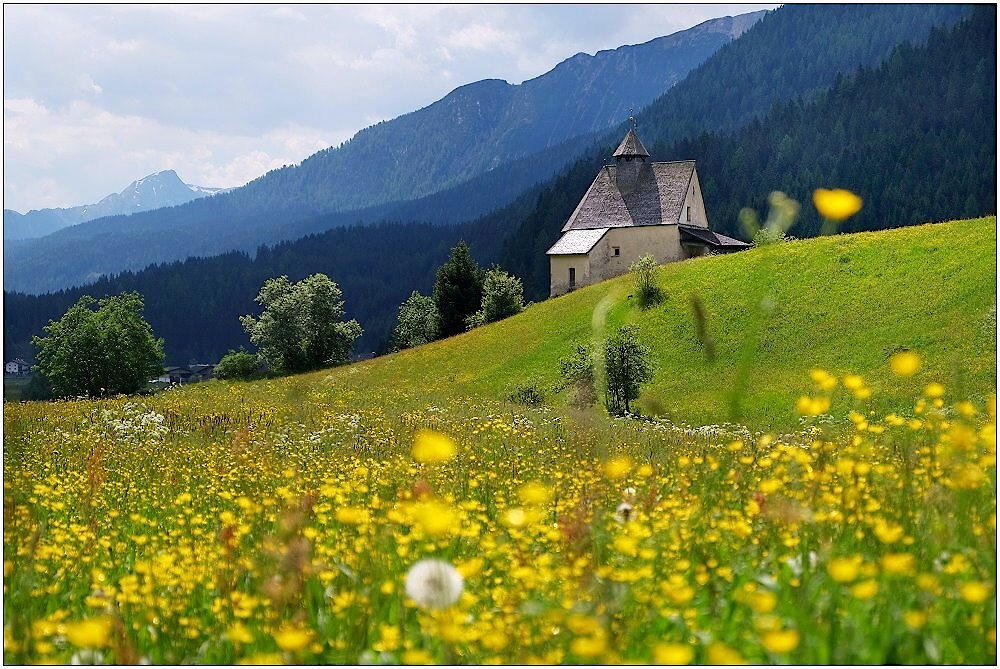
[
  {"x": 476, "y": 149},
  {"x": 915, "y": 136},
  {"x": 795, "y": 50}
]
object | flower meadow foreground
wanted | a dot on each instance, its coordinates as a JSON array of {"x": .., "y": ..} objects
[{"x": 303, "y": 521}]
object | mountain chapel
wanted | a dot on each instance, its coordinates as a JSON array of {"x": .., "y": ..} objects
[{"x": 633, "y": 208}]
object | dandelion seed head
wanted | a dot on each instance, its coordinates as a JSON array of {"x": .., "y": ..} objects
[
  {"x": 434, "y": 584},
  {"x": 624, "y": 512}
]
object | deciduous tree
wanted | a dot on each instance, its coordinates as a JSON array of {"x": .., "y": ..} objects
[
  {"x": 102, "y": 352},
  {"x": 503, "y": 296},
  {"x": 627, "y": 366},
  {"x": 238, "y": 366},
  {"x": 301, "y": 328},
  {"x": 417, "y": 322}
]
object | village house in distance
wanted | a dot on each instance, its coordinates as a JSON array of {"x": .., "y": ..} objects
[{"x": 634, "y": 208}]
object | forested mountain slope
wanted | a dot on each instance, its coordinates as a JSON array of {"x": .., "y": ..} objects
[
  {"x": 915, "y": 136},
  {"x": 195, "y": 305},
  {"x": 523, "y": 133}
]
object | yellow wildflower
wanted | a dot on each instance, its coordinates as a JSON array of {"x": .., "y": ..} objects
[
  {"x": 534, "y": 493},
  {"x": 823, "y": 379},
  {"x": 812, "y": 406},
  {"x": 968, "y": 477},
  {"x": 263, "y": 659},
  {"x": 352, "y": 515},
  {"x": 292, "y": 638},
  {"x": 771, "y": 486},
  {"x": 888, "y": 533},
  {"x": 720, "y": 653},
  {"x": 853, "y": 381},
  {"x": 836, "y": 204},
  {"x": 844, "y": 570},
  {"x": 763, "y": 601},
  {"x": 974, "y": 592},
  {"x": 915, "y": 619},
  {"x": 904, "y": 363},
  {"x": 516, "y": 517},
  {"x": 618, "y": 468},
  {"x": 898, "y": 563},
  {"x": 417, "y": 656},
  {"x": 433, "y": 447},
  {"x": 780, "y": 641},
  {"x": 89, "y": 633},
  {"x": 934, "y": 390},
  {"x": 865, "y": 589},
  {"x": 239, "y": 633},
  {"x": 966, "y": 408},
  {"x": 589, "y": 646},
  {"x": 672, "y": 653},
  {"x": 435, "y": 518}
]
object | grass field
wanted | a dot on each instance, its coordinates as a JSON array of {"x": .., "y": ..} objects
[{"x": 802, "y": 497}]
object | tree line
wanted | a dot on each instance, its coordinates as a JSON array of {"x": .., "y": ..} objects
[
  {"x": 915, "y": 136},
  {"x": 111, "y": 349}
]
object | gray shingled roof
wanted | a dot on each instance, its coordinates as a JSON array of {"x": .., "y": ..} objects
[
  {"x": 631, "y": 146},
  {"x": 714, "y": 239},
  {"x": 657, "y": 198},
  {"x": 576, "y": 242}
]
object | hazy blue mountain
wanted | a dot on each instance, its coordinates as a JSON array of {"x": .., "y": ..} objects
[
  {"x": 511, "y": 136},
  {"x": 880, "y": 145},
  {"x": 486, "y": 124},
  {"x": 162, "y": 189}
]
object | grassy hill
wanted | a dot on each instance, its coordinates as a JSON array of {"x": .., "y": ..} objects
[
  {"x": 843, "y": 303},
  {"x": 399, "y": 511}
]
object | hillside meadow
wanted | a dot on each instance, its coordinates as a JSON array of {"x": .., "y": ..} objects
[{"x": 812, "y": 481}]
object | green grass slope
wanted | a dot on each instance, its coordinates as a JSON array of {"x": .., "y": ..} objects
[{"x": 843, "y": 303}]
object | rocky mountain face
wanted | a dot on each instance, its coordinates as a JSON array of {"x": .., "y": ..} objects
[{"x": 162, "y": 189}]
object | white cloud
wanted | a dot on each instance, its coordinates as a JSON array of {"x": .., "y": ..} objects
[
  {"x": 112, "y": 150},
  {"x": 482, "y": 38},
  {"x": 96, "y": 96},
  {"x": 87, "y": 85}
]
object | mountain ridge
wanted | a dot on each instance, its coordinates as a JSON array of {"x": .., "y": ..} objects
[
  {"x": 378, "y": 266},
  {"x": 153, "y": 191},
  {"x": 413, "y": 156}
]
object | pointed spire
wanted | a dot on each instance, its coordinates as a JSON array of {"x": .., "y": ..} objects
[{"x": 631, "y": 146}]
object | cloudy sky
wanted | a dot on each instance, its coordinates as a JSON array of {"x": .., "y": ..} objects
[{"x": 97, "y": 96}]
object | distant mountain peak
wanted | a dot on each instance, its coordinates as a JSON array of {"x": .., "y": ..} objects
[{"x": 153, "y": 191}]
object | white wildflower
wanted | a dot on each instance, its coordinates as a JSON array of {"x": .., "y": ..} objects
[
  {"x": 624, "y": 513},
  {"x": 433, "y": 584}
]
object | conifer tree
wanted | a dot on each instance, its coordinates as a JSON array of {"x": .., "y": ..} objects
[{"x": 458, "y": 290}]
